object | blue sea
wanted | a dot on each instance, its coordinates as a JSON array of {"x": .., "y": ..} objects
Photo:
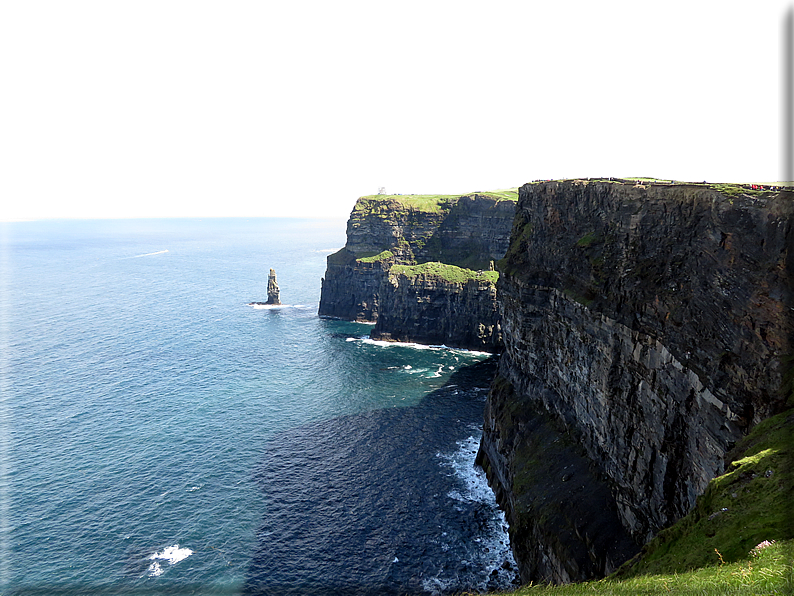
[{"x": 161, "y": 435}]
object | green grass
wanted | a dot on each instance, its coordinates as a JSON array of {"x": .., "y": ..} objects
[
  {"x": 449, "y": 273},
  {"x": 510, "y": 194},
  {"x": 748, "y": 504},
  {"x": 642, "y": 179},
  {"x": 733, "y": 190},
  {"x": 381, "y": 256},
  {"x": 583, "y": 300},
  {"x": 425, "y": 203},
  {"x": 587, "y": 239},
  {"x": 433, "y": 203},
  {"x": 712, "y": 549},
  {"x": 766, "y": 571}
]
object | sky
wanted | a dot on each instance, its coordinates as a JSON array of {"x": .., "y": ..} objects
[{"x": 172, "y": 108}]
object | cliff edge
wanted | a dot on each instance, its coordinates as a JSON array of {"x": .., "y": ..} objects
[
  {"x": 421, "y": 267},
  {"x": 646, "y": 329}
]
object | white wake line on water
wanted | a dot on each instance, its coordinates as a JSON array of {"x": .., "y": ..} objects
[
  {"x": 400, "y": 344},
  {"x": 148, "y": 254}
]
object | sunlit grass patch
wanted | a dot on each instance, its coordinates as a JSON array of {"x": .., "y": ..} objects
[
  {"x": 766, "y": 570},
  {"x": 449, "y": 273},
  {"x": 738, "y": 539},
  {"x": 381, "y": 256},
  {"x": 432, "y": 203}
]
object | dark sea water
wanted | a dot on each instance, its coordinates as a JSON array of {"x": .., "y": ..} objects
[{"x": 158, "y": 435}]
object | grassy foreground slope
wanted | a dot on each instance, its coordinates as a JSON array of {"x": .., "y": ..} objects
[{"x": 739, "y": 538}]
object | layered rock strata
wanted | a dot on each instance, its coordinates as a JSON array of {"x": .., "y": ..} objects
[
  {"x": 646, "y": 327},
  {"x": 453, "y": 303},
  {"x": 429, "y": 309},
  {"x": 272, "y": 289}
]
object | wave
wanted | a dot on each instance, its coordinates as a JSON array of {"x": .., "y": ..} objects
[
  {"x": 492, "y": 550},
  {"x": 171, "y": 554},
  {"x": 401, "y": 344},
  {"x": 462, "y": 463}
]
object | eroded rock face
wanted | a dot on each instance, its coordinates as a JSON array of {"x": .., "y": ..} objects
[
  {"x": 429, "y": 310},
  {"x": 272, "y": 289},
  {"x": 648, "y": 323},
  {"x": 351, "y": 288},
  {"x": 468, "y": 231}
]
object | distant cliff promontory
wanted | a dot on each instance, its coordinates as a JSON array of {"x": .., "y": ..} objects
[{"x": 421, "y": 267}]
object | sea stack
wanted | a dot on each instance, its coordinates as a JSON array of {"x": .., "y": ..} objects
[{"x": 272, "y": 289}]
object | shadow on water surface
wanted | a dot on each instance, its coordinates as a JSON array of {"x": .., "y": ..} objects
[{"x": 364, "y": 504}]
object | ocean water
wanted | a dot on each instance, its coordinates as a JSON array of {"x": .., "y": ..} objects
[{"x": 159, "y": 435}]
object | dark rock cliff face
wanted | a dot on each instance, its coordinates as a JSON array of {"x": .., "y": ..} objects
[
  {"x": 469, "y": 232},
  {"x": 429, "y": 310},
  {"x": 351, "y": 288},
  {"x": 644, "y": 329}
]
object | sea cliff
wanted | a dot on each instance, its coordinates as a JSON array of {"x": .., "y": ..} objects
[
  {"x": 421, "y": 267},
  {"x": 646, "y": 329}
]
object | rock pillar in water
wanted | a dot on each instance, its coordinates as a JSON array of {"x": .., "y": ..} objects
[{"x": 272, "y": 288}]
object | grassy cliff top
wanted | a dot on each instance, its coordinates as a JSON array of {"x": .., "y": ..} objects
[
  {"x": 449, "y": 273},
  {"x": 434, "y": 203},
  {"x": 381, "y": 256},
  {"x": 727, "y": 188},
  {"x": 739, "y": 538}
]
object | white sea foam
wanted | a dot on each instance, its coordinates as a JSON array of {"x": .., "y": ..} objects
[
  {"x": 436, "y": 585},
  {"x": 438, "y": 372},
  {"x": 171, "y": 554},
  {"x": 269, "y": 306},
  {"x": 475, "y": 352},
  {"x": 401, "y": 344},
  {"x": 493, "y": 547},
  {"x": 395, "y": 344},
  {"x": 462, "y": 463}
]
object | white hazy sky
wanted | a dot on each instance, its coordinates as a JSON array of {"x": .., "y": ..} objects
[{"x": 295, "y": 108}]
